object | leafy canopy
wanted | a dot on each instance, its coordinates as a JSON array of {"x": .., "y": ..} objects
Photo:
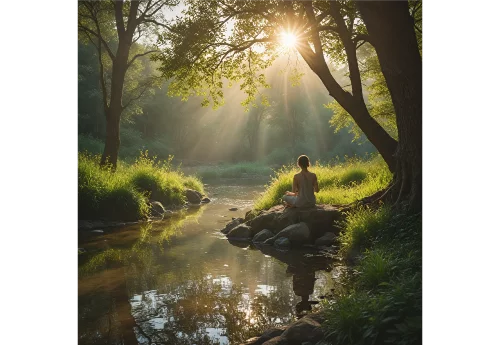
[{"x": 234, "y": 41}]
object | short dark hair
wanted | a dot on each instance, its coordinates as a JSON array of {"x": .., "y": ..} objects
[{"x": 303, "y": 161}]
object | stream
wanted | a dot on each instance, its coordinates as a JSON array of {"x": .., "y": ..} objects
[{"x": 179, "y": 281}]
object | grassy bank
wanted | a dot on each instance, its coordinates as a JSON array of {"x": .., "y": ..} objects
[
  {"x": 339, "y": 183},
  {"x": 124, "y": 194},
  {"x": 379, "y": 299}
]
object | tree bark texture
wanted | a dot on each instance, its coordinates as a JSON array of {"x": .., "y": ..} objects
[
  {"x": 356, "y": 107},
  {"x": 391, "y": 32},
  {"x": 114, "y": 111}
]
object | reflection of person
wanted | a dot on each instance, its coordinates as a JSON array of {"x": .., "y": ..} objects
[
  {"x": 303, "y": 286},
  {"x": 305, "y": 184}
]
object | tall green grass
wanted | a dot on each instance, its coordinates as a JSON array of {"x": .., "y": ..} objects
[
  {"x": 339, "y": 183},
  {"x": 124, "y": 194},
  {"x": 361, "y": 227},
  {"x": 381, "y": 300}
]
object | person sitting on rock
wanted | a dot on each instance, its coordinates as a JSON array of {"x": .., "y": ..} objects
[{"x": 305, "y": 184}]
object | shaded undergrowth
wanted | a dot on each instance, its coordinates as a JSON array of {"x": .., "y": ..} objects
[
  {"x": 124, "y": 194},
  {"x": 380, "y": 298}
]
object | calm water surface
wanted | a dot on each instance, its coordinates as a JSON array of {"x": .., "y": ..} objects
[{"x": 178, "y": 281}]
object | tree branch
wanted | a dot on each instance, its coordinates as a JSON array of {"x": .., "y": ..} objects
[
  {"x": 132, "y": 18},
  {"x": 99, "y": 37},
  {"x": 322, "y": 16},
  {"x": 361, "y": 37},
  {"x": 169, "y": 28},
  {"x": 120, "y": 26},
  {"x": 350, "y": 49},
  {"x": 318, "y": 49},
  {"x": 241, "y": 47},
  {"x": 139, "y": 55},
  {"x": 145, "y": 86}
]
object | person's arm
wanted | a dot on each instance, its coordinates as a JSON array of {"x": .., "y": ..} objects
[
  {"x": 293, "y": 193},
  {"x": 315, "y": 184},
  {"x": 295, "y": 186}
]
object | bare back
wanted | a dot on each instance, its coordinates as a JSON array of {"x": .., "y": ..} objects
[{"x": 305, "y": 183}]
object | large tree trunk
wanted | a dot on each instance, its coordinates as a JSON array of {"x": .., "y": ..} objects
[
  {"x": 356, "y": 107},
  {"x": 114, "y": 111},
  {"x": 391, "y": 32},
  {"x": 353, "y": 103}
]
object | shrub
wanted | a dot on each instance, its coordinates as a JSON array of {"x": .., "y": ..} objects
[
  {"x": 124, "y": 203},
  {"x": 106, "y": 195},
  {"x": 375, "y": 268},
  {"x": 360, "y": 227},
  {"x": 382, "y": 302},
  {"x": 123, "y": 195},
  {"x": 390, "y": 317}
]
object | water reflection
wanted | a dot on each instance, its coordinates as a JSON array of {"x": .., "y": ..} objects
[
  {"x": 177, "y": 282},
  {"x": 303, "y": 265}
]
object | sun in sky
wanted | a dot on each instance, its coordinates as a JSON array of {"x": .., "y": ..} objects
[{"x": 288, "y": 39}]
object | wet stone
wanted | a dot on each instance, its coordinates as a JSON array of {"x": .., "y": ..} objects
[
  {"x": 282, "y": 242},
  {"x": 304, "y": 330},
  {"x": 157, "y": 208},
  {"x": 193, "y": 196},
  {"x": 241, "y": 232},
  {"x": 326, "y": 240},
  {"x": 277, "y": 341},
  {"x": 231, "y": 225},
  {"x": 262, "y": 236}
]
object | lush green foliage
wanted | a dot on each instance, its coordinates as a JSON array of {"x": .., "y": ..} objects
[
  {"x": 361, "y": 227},
  {"x": 237, "y": 41},
  {"x": 380, "y": 298},
  {"x": 89, "y": 144},
  {"x": 339, "y": 182},
  {"x": 98, "y": 30},
  {"x": 123, "y": 195},
  {"x": 379, "y": 100}
]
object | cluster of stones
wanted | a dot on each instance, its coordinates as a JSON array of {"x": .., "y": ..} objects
[
  {"x": 158, "y": 211},
  {"x": 288, "y": 227},
  {"x": 193, "y": 196},
  {"x": 306, "y": 330}
]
